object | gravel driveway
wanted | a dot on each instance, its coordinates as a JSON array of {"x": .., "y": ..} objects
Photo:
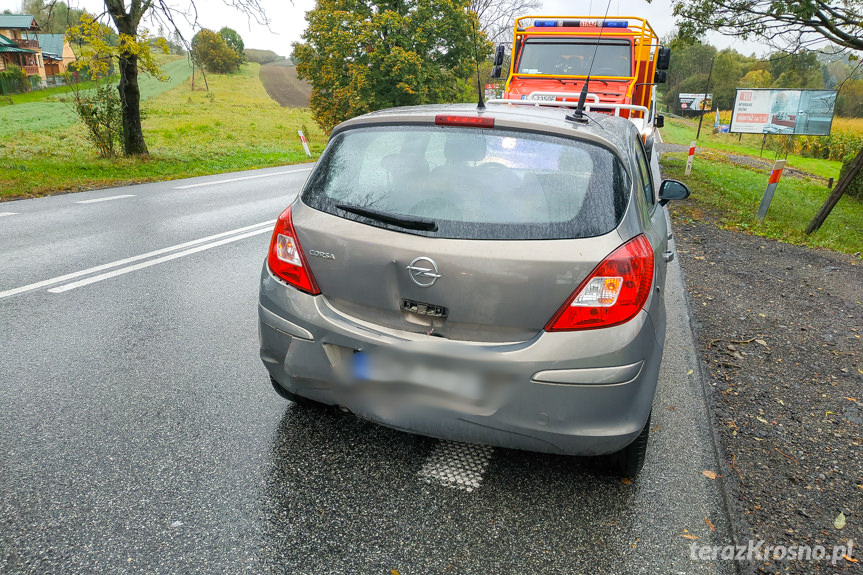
[{"x": 780, "y": 333}]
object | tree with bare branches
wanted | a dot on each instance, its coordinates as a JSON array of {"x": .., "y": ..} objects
[{"x": 497, "y": 17}]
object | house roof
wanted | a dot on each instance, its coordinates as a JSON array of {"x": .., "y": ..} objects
[
  {"x": 51, "y": 44},
  {"x": 7, "y": 45},
  {"x": 18, "y": 22}
]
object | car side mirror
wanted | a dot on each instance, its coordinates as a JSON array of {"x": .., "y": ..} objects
[
  {"x": 495, "y": 72},
  {"x": 672, "y": 190},
  {"x": 499, "y": 54},
  {"x": 660, "y": 77},
  {"x": 659, "y": 121}
]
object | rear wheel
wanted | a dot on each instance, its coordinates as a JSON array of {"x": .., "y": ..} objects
[
  {"x": 293, "y": 397},
  {"x": 629, "y": 460}
]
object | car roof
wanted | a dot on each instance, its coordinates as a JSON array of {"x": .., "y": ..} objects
[{"x": 613, "y": 132}]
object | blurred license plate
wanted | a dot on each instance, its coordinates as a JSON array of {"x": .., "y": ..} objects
[
  {"x": 541, "y": 98},
  {"x": 388, "y": 369}
]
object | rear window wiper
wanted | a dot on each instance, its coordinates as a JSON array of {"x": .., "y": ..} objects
[{"x": 407, "y": 222}]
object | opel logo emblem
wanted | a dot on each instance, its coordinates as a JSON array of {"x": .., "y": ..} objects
[{"x": 423, "y": 271}]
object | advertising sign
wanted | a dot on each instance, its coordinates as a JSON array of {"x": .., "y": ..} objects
[
  {"x": 762, "y": 111},
  {"x": 693, "y": 102}
]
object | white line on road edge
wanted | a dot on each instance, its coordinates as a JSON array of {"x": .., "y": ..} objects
[
  {"x": 456, "y": 465},
  {"x": 238, "y": 179},
  {"x": 7, "y": 214},
  {"x": 163, "y": 259},
  {"x": 106, "y": 199},
  {"x": 59, "y": 279}
]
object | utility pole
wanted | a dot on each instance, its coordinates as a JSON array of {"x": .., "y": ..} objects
[{"x": 704, "y": 100}]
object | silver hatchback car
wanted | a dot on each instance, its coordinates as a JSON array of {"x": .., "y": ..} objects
[{"x": 486, "y": 275}]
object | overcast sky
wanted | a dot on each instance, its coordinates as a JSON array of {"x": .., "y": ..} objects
[{"x": 288, "y": 20}]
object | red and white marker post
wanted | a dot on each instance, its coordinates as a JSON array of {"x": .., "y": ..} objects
[
  {"x": 305, "y": 143},
  {"x": 771, "y": 188},
  {"x": 690, "y": 158}
]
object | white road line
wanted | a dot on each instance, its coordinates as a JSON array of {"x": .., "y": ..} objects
[
  {"x": 163, "y": 259},
  {"x": 7, "y": 214},
  {"x": 456, "y": 465},
  {"x": 242, "y": 178},
  {"x": 109, "y": 198},
  {"x": 30, "y": 287}
]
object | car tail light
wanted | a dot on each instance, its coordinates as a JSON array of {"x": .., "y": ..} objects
[
  {"x": 286, "y": 258},
  {"x": 613, "y": 293}
]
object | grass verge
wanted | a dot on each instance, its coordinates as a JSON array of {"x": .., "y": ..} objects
[
  {"x": 731, "y": 193},
  {"x": 234, "y": 126},
  {"x": 682, "y": 131}
]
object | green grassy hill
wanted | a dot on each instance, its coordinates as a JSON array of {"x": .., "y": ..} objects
[{"x": 234, "y": 126}]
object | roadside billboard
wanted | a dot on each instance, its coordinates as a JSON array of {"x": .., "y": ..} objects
[
  {"x": 693, "y": 102},
  {"x": 765, "y": 111}
]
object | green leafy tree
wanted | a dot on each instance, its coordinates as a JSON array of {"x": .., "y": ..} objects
[
  {"x": 361, "y": 56},
  {"x": 211, "y": 52},
  {"x": 690, "y": 62},
  {"x": 55, "y": 17},
  {"x": 800, "y": 23},
  {"x": 728, "y": 68},
  {"x": 234, "y": 41},
  {"x": 756, "y": 79},
  {"x": 796, "y": 70}
]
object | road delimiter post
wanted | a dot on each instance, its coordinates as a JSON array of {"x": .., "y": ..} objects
[
  {"x": 771, "y": 188},
  {"x": 305, "y": 143},
  {"x": 691, "y": 156}
]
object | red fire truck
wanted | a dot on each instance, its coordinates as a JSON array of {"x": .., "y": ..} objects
[{"x": 553, "y": 55}]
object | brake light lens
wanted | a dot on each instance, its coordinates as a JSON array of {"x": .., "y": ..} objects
[
  {"x": 286, "y": 259},
  {"x": 613, "y": 293},
  {"x": 466, "y": 121}
]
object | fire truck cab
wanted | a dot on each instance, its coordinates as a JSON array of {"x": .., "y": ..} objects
[{"x": 553, "y": 55}]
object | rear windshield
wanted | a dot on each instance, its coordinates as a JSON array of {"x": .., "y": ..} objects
[
  {"x": 560, "y": 57},
  {"x": 472, "y": 183}
]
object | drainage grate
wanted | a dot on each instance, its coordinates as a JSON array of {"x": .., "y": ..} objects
[{"x": 456, "y": 465}]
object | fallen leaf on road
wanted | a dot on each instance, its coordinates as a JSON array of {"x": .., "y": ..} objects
[
  {"x": 851, "y": 559},
  {"x": 762, "y": 420},
  {"x": 394, "y": 572},
  {"x": 690, "y": 372},
  {"x": 709, "y": 524},
  {"x": 761, "y": 315},
  {"x": 625, "y": 480},
  {"x": 689, "y": 536},
  {"x": 839, "y": 522},
  {"x": 761, "y": 342},
  {"x": 850, "y": 398},
  {"x": 709, "y": 474},
  {"x": 671, "y": 408}
]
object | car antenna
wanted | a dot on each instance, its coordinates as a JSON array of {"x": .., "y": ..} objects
[
  {"x": 578, "y": 115},
  {"x": 480, "y": 104}
]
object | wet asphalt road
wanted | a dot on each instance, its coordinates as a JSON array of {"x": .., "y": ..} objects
[{"x": 139, "y": 432}]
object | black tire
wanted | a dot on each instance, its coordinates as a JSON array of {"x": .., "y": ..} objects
[
  {"x": 292, "y": 397},
  {"x": 629, "y": 460}
]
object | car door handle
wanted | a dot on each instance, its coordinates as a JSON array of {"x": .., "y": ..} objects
[{"x": 668, "y": 256}]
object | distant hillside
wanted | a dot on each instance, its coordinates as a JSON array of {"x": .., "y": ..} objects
[{"x": 262, "y": 56}]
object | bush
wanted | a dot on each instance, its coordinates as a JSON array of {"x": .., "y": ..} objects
[
  {"x": 855, "y": 188},
  {"x": 101, "y": 112}
]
